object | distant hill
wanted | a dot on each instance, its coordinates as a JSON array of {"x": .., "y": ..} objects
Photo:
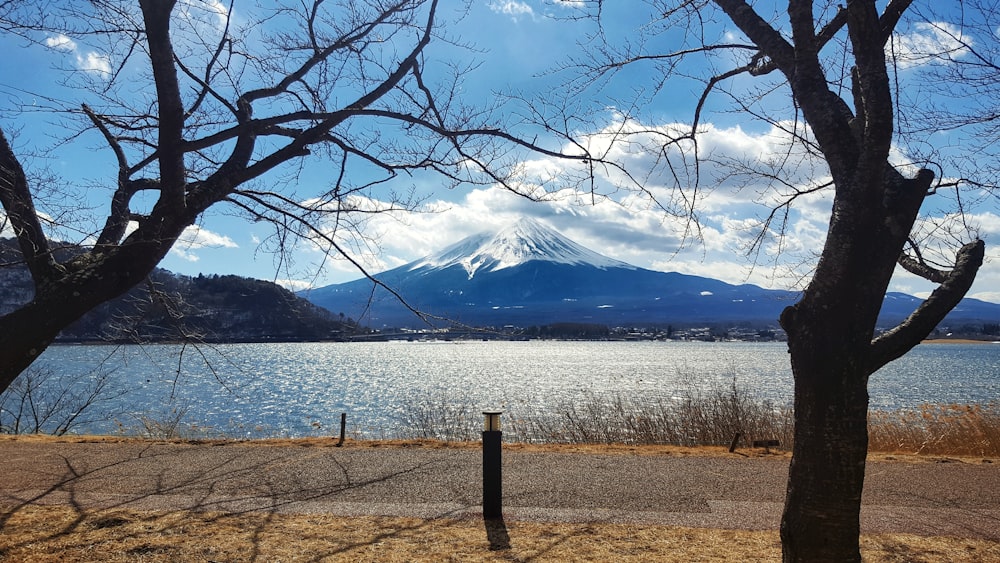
[
  {"x": 172, "y": 307},
  {"x": 530, "y": 275}
]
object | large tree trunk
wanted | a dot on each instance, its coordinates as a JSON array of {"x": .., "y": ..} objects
[
  {"x": 830, "y": 334},
  {"x": 834, "y": 349},
  {"x": 832, "y": 329},
  {"x": 826, "y": 477},
  {"x": 24, "y": 335}
]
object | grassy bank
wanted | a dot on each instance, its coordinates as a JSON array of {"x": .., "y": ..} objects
[
  {"x": 713, "y": 419},
  {"x": 960, "y": 430}
]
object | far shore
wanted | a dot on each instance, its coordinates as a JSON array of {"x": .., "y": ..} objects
[{"x": 958, "y": 341}]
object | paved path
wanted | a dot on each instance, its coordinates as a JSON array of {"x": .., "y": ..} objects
[{"x": 955, "y": 498}]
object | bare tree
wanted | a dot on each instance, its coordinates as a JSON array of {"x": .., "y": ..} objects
[
  {"x": 964, "y": 76},
  {"x": 834, "y": 68},
  {"x": 42, "y": 401},
  {"x": 199, "y": 113}
]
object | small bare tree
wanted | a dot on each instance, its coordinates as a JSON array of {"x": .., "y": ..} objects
[
  {"x": 199, "y": 112},
  {"x": 42, "y": 401},
  {"x": 828, "y": 76}
]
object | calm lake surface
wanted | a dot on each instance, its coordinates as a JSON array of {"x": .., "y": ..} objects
[{"x": 254, "y": 390}]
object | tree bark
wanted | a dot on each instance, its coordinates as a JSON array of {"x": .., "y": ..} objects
[
  {"x": 834, "y": 350},
  {"x": 821, "y": 519}
]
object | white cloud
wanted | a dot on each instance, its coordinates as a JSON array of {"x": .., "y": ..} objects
[
  {"x": 60, "y": 43},
  {"x": 626, "y": 225},
  {"x": 94, "y": 62},
  {"x": 293, "y": 285},
  {"x": 513, "y": 8},
  {"x": 183, "y": 255},
  {"x": 928, "y": 43},
  {"x": 220, "y": 11},
  {"x": 88, "y": 61},
  {"x": 196, "y": 238},
  {"x": 204, "y": 12},
  {"x": 991, "y": 296}
]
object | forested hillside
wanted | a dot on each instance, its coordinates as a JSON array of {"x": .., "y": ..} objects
[{"x": 172, "y": 307}]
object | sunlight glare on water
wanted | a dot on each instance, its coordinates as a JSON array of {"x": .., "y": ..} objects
[{"x": 298, "y": 389}]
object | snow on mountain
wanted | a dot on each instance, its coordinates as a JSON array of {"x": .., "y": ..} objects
[
  {"x": 530, "y": 275},
  {"x": 525, "y": 241}
]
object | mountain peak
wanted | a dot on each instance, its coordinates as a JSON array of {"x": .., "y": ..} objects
[{"x": 525, "y": 241}]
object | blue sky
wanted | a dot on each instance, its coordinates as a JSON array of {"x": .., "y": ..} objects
[{"x": 517, "y": 43}]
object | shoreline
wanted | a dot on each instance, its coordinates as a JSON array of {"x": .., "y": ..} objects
[
  {"x": 958, "y": 341},
  {"x": 606, "y": 449},
  {"x": 85, "y": 342}
]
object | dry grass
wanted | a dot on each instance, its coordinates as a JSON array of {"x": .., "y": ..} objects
[
  {"x": 73, "y": 535},
  {"x": 428, "y": 444},
  {"x": 698, "y": 418},
  {"x": 959, "y": 430},
  {"x": 62, "y": 534}
]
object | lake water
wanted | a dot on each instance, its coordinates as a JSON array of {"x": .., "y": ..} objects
[{"x": 253, "y": 390}]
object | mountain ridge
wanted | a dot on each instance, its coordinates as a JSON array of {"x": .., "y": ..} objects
[{"x": 529, "y": 274}]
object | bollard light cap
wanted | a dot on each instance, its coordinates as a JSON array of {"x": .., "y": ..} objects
[{"x": 491, "y": 420}]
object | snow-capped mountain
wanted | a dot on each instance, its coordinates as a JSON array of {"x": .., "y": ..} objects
[
  {"x": 525, "y": 241},
  {"x": 529, "y": 274}
]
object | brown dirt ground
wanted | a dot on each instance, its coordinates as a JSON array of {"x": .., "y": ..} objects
[{"x": 74, "y": 535}]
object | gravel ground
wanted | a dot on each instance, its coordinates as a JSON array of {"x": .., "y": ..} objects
[{"x": 949, "y": 497}]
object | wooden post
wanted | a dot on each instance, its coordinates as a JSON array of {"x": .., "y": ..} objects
[
  {"x": 732, "y": 445},
  {"x": 343, "y": 425}
]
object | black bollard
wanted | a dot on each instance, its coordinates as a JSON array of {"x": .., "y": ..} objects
[
  {"x": 343, "y": 428},
  {"x": 492, "y": 460}
]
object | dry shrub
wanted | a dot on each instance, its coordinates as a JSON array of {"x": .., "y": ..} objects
[
  {"x": 439, "y": 419},
  {"x": 938, "y": 429},
  {"x": 712, "y": 418},
  {"x": 699, "y": 419}
]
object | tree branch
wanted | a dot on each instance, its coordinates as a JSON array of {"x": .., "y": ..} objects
[
  {"x": 919, "y": 267},
  {"x": 235, "y": 172},
  {"x": 15, "y": 195},
  {"x": 347, "y": 40},
  {"x": 890, "y": 17},
  {"x": 898, "y": 341},
  {"x": 156, "y": 16},
  {"x": 770, "y": 42},
  {"x": 118, "y": 216},
  {"x": 825, "y": 112},
  {"x": 871, "y": 85},
  {"x": 206, "y": 89}
]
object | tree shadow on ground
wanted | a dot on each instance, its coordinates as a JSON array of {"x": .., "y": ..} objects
[{"x": 173, "y": 499}]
